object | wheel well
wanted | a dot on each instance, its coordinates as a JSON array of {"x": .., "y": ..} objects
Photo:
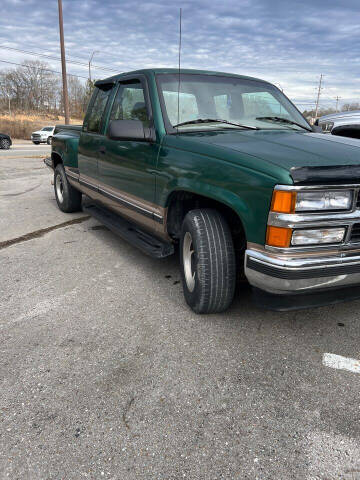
[
  {"x": 181, "y": 202},
  {"x": 56, "y": 158}
]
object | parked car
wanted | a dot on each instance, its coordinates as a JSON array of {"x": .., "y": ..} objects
[
  {"x": 345, "y": 124},
  {"x": 5, "y": 141},
  {"x": 226, "y": 167},
  {"x": 43, "y": 136}
]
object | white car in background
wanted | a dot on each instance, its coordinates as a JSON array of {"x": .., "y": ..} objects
[{"x": 43, "y": 136}]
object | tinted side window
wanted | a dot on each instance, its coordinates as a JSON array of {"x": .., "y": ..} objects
[
  {"x": 129, "y": 104},
  {"x": 95, "y": 116}
]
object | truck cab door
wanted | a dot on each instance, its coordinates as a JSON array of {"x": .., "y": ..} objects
[
  {"x": 126, "y": 167},
  {"x": 92, "y": 139}
]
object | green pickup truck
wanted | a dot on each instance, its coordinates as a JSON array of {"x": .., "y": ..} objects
[{"x": 227, "y": 168}]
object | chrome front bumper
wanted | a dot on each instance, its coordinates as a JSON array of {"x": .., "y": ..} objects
[{"x": 284, "y": 274}]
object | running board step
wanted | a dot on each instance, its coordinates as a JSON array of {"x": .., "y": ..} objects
[{"x": 145, "y": 242}]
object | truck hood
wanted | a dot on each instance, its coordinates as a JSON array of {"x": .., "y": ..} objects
[{"x": 285, "y": 148}]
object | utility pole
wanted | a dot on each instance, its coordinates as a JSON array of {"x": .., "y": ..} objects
[
  {"x": 337, "y": 98},
  {"x": 318, "y": 97},
  {"x": 63, "y": 65},
  {"x": 90, "y": 60}
]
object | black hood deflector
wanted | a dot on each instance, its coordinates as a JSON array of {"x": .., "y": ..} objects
[{"x": 337, "y": 175}]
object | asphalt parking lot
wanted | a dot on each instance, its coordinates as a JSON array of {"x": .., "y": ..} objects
[
  {"x": 105, "y": 373},
  {"x": 25, "y": 148}
]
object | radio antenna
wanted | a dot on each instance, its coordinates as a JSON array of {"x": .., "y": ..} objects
[{"x": 178, "y": 99}]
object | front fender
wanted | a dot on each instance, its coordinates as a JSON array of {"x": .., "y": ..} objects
[{"x": 248, "y": 192}]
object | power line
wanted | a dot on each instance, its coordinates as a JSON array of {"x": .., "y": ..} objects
[
  {"x": 44, "y": 69},
  {"x": 44, "y": 55}
]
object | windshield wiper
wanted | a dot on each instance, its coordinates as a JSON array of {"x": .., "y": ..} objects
[
  {"x": 284, "y": 120},
  {"x": 214, "y": 120}
]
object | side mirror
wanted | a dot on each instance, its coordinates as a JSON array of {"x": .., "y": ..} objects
[{"x": 127, "y": 130}]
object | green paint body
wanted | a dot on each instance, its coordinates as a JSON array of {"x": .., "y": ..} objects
[{"x": 236, "y": 167}]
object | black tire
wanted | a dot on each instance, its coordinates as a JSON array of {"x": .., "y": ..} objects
[
  {"x": 36, "y": 143},
  {"x": 5, "y": 144},
  {"x": 211, "y": 285},
  {"x": 49, "y": 140},
  {"x": 67, "y": 197}
]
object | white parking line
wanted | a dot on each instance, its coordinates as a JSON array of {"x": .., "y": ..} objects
[{"x": 341, "y": 363}]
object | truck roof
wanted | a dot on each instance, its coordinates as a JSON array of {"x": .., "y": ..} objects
[{"x": 115, "y": 78}]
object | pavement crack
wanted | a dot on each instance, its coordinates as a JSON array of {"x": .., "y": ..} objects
[
  {"x": 41, "y": 232},
  {"x": 126, "y": 411},
  {"x": 20, "y": 193}
]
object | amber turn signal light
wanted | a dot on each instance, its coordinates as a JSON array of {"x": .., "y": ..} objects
[
  {"x": 278, "y": 236},
  {"x": 283, "y": 201}
]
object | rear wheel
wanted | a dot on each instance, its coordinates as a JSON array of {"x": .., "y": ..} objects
[
  {"x": 67, "y": 197},
  {"x": 208, "y": 264},
  {"x": 49, "y": 140},
  {"x": 5, "y": 143}
]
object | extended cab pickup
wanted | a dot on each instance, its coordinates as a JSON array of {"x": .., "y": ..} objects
[{"x": 226, "y": 167}]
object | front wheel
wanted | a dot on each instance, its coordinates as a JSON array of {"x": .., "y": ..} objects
[
  {"x": 67, "y": 197},
  {"x": 5, "y": 144},
  {"x": 208, "y": 264},
  {"x": 36, "y": 143}
]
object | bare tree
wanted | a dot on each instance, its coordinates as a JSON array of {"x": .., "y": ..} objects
[
  {"x": 77, "y": 93},
  {"x": 34, "y": 87}
]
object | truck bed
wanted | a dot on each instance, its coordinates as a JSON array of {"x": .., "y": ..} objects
[{"x": 75, "y": 129}]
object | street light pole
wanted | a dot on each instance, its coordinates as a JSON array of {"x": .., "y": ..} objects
[{"x": 63, "y": 65}]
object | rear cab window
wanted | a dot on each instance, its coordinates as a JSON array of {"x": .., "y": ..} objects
[{"x": 95, "y": 115}]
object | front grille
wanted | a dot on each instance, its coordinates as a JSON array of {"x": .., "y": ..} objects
[
  {"x": 36, "y": 135},
  {"x": 358, "y": 200},
  {"x": 355, "y": 233}
]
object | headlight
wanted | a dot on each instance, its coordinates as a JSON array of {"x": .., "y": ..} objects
[
  {"x": 328, "y": 200},
  {"x": 285, "y": 201},
  {"x": 318, "y": 236}
]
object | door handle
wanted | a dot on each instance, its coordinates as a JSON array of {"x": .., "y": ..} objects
[{"x": 102, "y": 149}]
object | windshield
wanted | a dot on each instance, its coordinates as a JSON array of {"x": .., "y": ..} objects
[
  {"x": 46, "y": 129},
  {"x": 233, "y": 99}
]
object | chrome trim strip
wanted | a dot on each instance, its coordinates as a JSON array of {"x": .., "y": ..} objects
[
  {"x": 335, "y": 251},
  {"x": 103, "y": 191},
  {"x": 88, "y": 184},
  {"x": 316, "y": 187},
  {"x": 72, "y": 175},
  {"x": 302, "y": 262},
  {"x": 295, "y": 273},
  {"x": 126, "y": 203},
  {"x": 295, "y": 220}
]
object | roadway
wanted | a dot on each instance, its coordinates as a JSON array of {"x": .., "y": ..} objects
[{"x": 24, "y": 148}]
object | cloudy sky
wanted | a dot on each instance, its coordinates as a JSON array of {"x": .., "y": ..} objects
[{"x": 288, "y": 42}]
